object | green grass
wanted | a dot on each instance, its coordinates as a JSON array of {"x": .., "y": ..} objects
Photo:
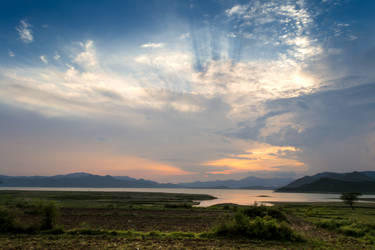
[
  {"x": 358, "y": 223},
  {"x": 103, "y": 199}
]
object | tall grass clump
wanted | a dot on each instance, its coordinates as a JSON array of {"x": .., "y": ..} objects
[
  {"x": 8, "y": 220},
  {"x": 45, "y": 215},
  {"x": 49, "y": 212},
  {"x": 258, "y": 222}
]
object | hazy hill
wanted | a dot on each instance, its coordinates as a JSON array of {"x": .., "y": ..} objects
[
  {"x": 246, "y": 183},
  {"x": 89, "y": 180},
  {"x": 363, "y": 182},
  {"x": 77, "y": 180}
]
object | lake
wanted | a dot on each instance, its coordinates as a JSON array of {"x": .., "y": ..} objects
[{"x": 237, "y": 196}]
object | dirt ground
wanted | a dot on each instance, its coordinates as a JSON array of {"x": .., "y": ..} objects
[
  {"x": 108, "y": 242},
  {"x": 186, "y": 220}
]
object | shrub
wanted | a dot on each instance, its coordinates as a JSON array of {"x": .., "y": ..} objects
[
  {"x": 258, "y": 228},
  {"x": 45, "y": 216},
  {"x": 258, "y": 222},
  {"x": 333, "y": 224},
  {"x": 352, "y": 230},
  {"x": 262, "y": 211},
  {"x": 50, "y": 214},
  {"x": 7, "y": 220},
  {"x": 48, "y": 211}
]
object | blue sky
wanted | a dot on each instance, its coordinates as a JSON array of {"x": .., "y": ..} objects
[{"x": 187, "y": 90}]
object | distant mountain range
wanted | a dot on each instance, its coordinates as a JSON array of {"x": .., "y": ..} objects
[
  {"x": 78, "y": 180},
  {"x": 90, "y": 180},
  {"x": 246, "y": 183},
  {"x": 329, "y": 182}
]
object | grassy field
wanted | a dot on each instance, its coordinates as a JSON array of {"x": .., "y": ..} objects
[
  {"x": 131, "y": 220},
  {"x": 103, "y": 199}
]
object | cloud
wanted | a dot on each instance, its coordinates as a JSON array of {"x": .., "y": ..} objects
[
  {"x": 87, "y": 58},
  {"x": 160, "y": 100},
  {"x": 152, "y": 45},
  {"x": 184, "y": 36},
  {"x": 257, "y": 88},
  {"x": 43, "y": 58},
  {"x": 11, "y": 53},
  {"x": 280, "y": 26},
  {"x": 57, "y": 57},
  {"x": 262, "y": 157},
  {"x": 168, "y": 61},
  {"x": 237, "y": 10},
  {"x": 25, "y": 32},
  {"x": 333, "y": 129}
]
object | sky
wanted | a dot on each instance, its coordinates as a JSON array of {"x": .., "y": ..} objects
[{"x": 182, "y": 90}]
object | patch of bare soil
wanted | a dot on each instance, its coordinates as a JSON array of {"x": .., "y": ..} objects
[
  {"x": 141, "y": 220},
  {"x": 108, "y": 242}
]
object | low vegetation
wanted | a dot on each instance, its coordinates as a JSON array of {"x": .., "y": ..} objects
[
  {"x": 104, "y": 199},
  {"x": 79, "y": 220},
  {"x": 258, "y": 222},
  {"x": 16, "y": 219},
  {"x": 358, "y": 223}
]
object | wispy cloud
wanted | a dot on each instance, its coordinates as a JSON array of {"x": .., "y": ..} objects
[
  {"x": 25, "y": 32},
  {"x": 237, "y": 10},
  {"x": 280, "y": 26},
  {"x": 43, "y": 58},
  {"x": 11, "y": 53},
  {"x": 152, "y": 45},
  {"x": 87, "y": 58},
  {"x": 184, "y": 36}
]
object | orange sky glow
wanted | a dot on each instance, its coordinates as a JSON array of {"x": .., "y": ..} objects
[{"x": 263, "y": 158}]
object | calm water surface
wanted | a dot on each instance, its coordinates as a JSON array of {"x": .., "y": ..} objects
[{"x": 237, "y": 196}]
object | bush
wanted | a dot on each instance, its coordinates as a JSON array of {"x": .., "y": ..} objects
[
  {"x": 50, "y": 214},
  {"x": 333, "y": 224},
  {"x": 45, "y": 215},
  {"x": 258, "y": 228},
  {"x": 262, "y": 211},
  {"x": 352, "y": 230},
  {"x": 7, "y": 220},
  {"x": 258, "y": 222}
]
